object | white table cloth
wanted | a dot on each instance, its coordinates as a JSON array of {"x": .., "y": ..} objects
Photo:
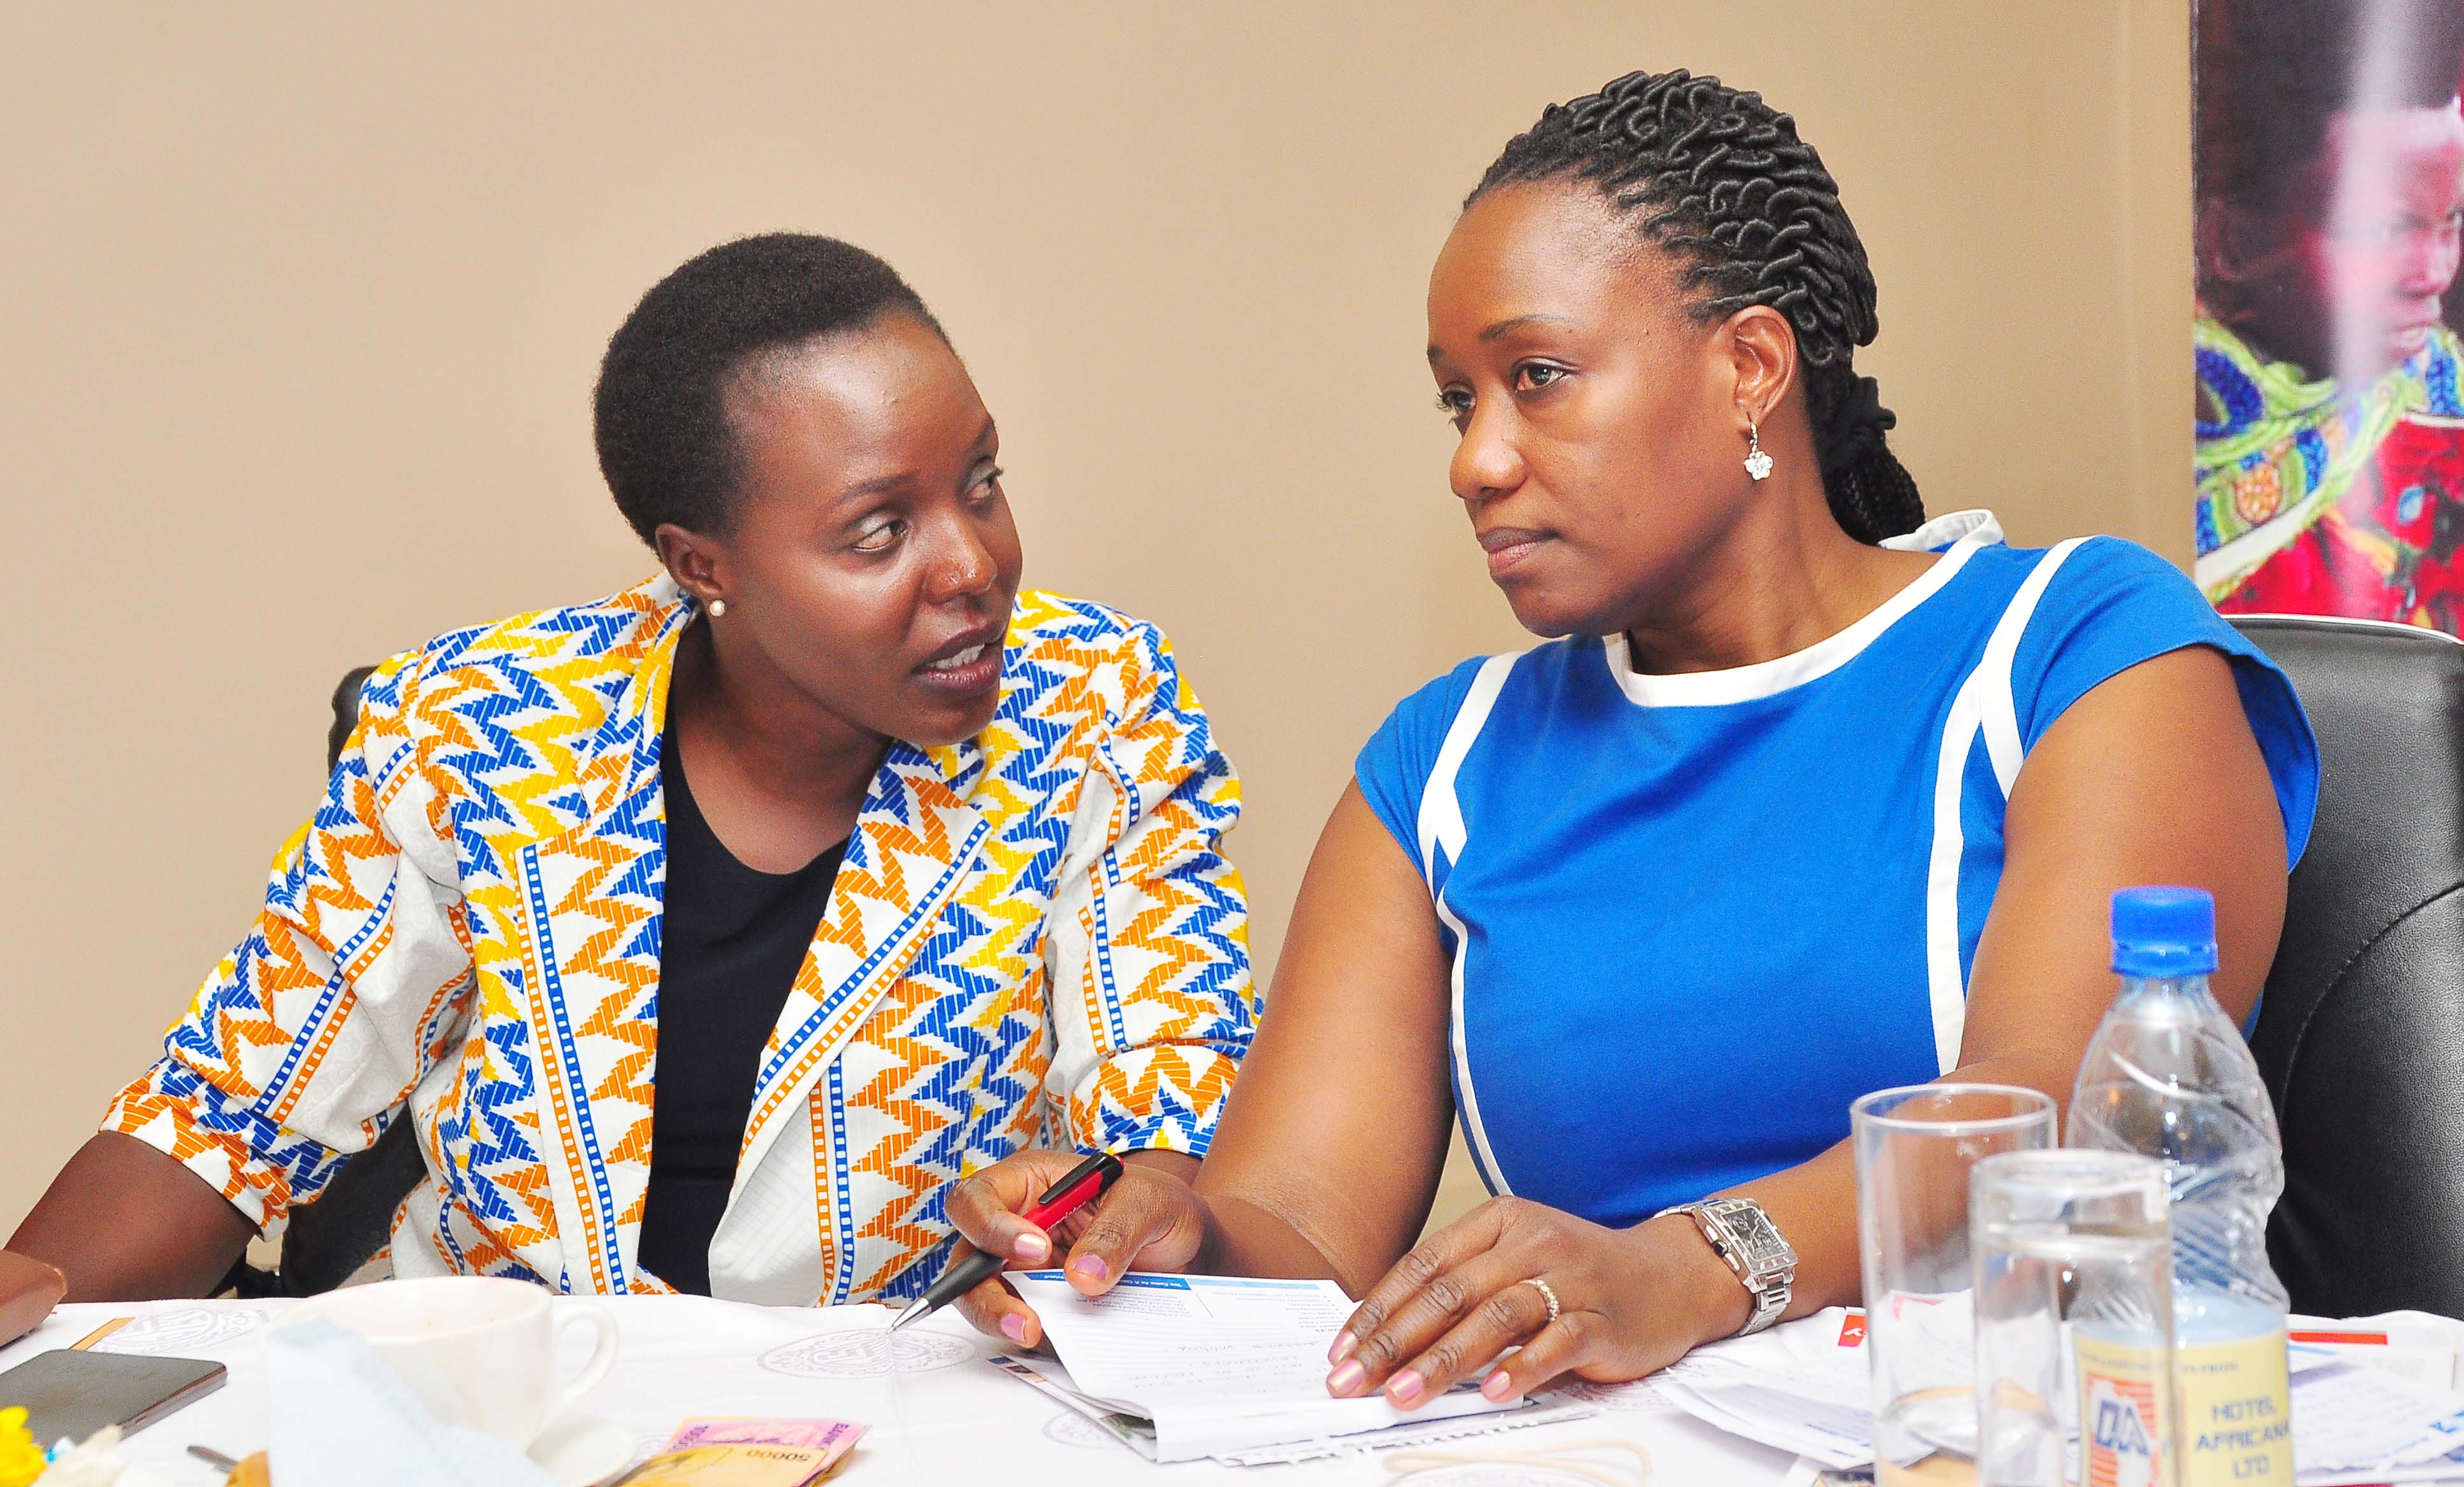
[{"x": 937, "y": 1411}]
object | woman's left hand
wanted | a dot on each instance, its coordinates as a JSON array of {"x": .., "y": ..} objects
[{"x": 1629, "y": 1300}]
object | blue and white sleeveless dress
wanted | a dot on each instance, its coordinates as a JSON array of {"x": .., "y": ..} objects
[{"x": 1693, "y": 916}]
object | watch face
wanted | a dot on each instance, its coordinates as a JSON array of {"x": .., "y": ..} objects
[{"x": 1761, "y": 1246}]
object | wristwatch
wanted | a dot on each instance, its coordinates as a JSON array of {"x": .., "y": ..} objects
[{"x": 1742, "y": 1234}]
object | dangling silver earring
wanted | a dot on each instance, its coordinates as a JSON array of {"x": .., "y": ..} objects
[
  {"x": 1757, "y": 463},
  {"x": 719, "y": 606}
]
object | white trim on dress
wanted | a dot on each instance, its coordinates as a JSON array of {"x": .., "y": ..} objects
[
  {"x": 1983, "y": 705},
  {"x": 1442, "y": 825},
  {"x": 1441, "y": 822},
  {"x": 1964, "y": 530},
  {"x": 2001, "y": 721}
]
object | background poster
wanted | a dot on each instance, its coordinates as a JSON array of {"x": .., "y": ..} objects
[{"x": 2330, "y": 174}]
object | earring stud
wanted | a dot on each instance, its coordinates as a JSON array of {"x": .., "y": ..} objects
[
  {"x": 1758, "y": 464},
  {"x": 719, "y": 606}
]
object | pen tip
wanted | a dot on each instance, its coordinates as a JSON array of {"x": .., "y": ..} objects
[{"x": 915, "y": 1309}]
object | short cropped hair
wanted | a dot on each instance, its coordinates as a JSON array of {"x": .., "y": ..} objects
[{"x": 660, "y": 416}]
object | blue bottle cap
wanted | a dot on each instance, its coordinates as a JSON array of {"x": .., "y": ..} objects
[{"x": 2164, "y": 932}]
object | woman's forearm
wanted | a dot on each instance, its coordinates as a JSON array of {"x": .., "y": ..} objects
[
  {"x": 1813, "y": 1205},
  {"x": 123, "y": 1221},
  {"x": 1245, "y": 1237}
]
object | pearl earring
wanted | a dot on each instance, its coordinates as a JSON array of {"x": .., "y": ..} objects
[
  {"x": 719, "y": 606},
  {"x": 1758, "y": 464}
]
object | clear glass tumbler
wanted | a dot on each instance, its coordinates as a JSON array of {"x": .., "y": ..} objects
[
  {"x": 2073, "y": 1319},
  {"x": 1915, "y": 1146}
]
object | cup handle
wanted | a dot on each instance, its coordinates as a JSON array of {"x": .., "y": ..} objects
[{"x": 601, "y": 1357}]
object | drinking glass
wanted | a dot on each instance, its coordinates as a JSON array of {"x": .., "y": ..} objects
[
  {"x": 1914, "y": 1147},
  {"x": 2073, "y": 1245}
]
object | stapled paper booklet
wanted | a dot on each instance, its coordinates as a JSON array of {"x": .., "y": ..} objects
[{"x": 1184, "y": 1366}]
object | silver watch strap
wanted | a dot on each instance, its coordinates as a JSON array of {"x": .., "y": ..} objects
[
  {"x": 1771, "y": 1287},
  {"x": 1769, "y": 1302}
]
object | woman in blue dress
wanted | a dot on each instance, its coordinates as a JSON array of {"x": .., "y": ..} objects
[{"x": 1809, "y": 796}]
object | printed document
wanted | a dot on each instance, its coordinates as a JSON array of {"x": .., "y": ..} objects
[
  {"x": 1202, "y": 1365},
  {"x": 2371, "y": 1402}
]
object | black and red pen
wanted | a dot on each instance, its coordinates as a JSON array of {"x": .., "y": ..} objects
[{"x": 1083, "y": 1184}]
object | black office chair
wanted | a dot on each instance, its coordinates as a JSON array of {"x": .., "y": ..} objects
[
  {"x": 2361, "y": 1036},
  {"x": 327, "y": 1241}
]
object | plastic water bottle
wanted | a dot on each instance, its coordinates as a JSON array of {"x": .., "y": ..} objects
[{"x": 2168, "y": 1076}]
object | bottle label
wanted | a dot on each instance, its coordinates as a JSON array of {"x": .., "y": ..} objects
[
  {"x": 2236, "y": 1415},
  {"x": 2123, "y": 1415}
]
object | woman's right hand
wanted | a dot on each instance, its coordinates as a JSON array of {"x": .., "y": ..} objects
[{"x": 1151, "y": 1219}]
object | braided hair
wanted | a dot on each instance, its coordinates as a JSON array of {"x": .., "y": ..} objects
[{"x": 1718, "y": 178}]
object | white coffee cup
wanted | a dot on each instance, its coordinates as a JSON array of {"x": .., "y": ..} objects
[{"x": 478, "y": 1351}]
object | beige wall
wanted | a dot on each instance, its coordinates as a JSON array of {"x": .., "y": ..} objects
[{"x": 301, "y": 307}]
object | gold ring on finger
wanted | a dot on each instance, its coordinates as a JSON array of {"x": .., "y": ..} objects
[{"x": 1548, "y": 1295}]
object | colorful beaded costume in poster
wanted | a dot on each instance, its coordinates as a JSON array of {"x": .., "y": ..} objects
[
  {"x": 2315, "y": 499},
  {"x": 1033, "y": 938}
]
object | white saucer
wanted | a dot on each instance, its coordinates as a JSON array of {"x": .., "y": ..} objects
[{"x": 584, "y": 1450}]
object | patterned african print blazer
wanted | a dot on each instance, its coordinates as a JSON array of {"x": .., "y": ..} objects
[{"x": 1033, "y": 938}]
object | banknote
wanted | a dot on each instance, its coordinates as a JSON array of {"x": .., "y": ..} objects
[
  {"x": 834, "y": 1437},
  {"x": 735, "y": 1464}
]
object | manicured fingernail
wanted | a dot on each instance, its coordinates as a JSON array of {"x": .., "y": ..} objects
[
  {"x": 1091, "y": 1266},
  {"x": 1343, "y": 1344},
  {"x": 1497, "y": 1386},
  {"x": 1404, "y": 1388},
  {"x": 1344, "y": 1380},
  {"x": 1014, "y": 1328},
  {"x": 1031, "y": 1247}
]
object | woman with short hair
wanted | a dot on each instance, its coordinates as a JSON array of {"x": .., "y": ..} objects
[{"x": 707, "y": 932}]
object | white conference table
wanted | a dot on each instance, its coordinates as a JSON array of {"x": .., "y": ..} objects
[{"x": 937, "y": 1411}]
